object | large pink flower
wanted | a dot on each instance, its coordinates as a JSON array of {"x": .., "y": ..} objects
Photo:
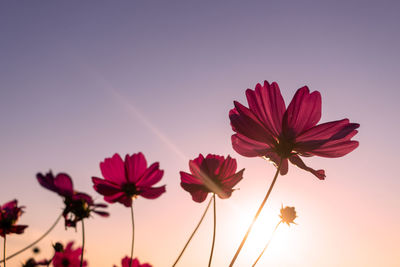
[
  {"x": 211, "y": 174},
  {"x": 9, "y": 215},
  {"x": 68, "y": 257},
  {"x": 126, "y": 180},
  {"x": 267, "y": 129},
  {"x": 135, "y": 263},
  {"x": 78, "y": 205}
]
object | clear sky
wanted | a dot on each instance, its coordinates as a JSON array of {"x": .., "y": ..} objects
[{"x": 81, "y": 80}]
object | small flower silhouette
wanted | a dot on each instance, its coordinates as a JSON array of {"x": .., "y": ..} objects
[
  {"x": 124, "y": 181},
  {"x": 135, "y": 263},
  {"x": 211, "y": 174},
  {"x": 69, "y": 257},
  {"x": 9, "y": 215},
  {"x": 288, "y": 214},
  {"x": 268, "y": 129},
  {"x": 78, "y": 205}
]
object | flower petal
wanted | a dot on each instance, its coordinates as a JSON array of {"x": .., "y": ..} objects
[
  {"x": 151, "y": 176},
  {"x": 189, "y": 179},
  {"x": 135, "y": 166},
  {"x": 113, "y": 169},
  {"x": 335, "y": 150},
  {"x": 296, "y": 160},
  {"x": 267, "y": 103},
  {"x": 227, "y": 168},
  {"x": 243, "y": 121},
  {"x": 333, "y": 129},
  {"x": 198, "y": 192},
  {"x": 151, "y": 192},
  {"x": 248, "y": 147},
  {"x": 303, "y": 112},
  {"x": 63, "y": 184},
  {"x": 120, "y": 197},
  {"x": 231, "y": 181},
  {"x": 105, "y": 187}
]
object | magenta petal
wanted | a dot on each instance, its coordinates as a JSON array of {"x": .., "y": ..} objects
[
  {"x": 105, "y": 187},
  {"x": 296, "y": 160},
  {"x": 63, "y": 183},
  {"x": 135, "y": 165},
  {"x": 10, "y": 205},
  {"x": 152, "y": 192},
  {"x": 198, "y": 192},
  {"x": 334, "y": 150},
  {"x": 231, "y": 181},
  {"x": 325, "y": 130},
  {"x": 18, "y": 229},
  {"x": 119, "y": 197},
  {"x": 227, "y": 168},
  {"x": 243, "y": 121},
  {"x": 212, "y": 164},
  {"x": 248, "y": 147},
  {"x": 194, "y": 165},
  {"x": 267, "y": 103},
  {"x": 151, "y": 176},
  {"x": 303, "y": 112},
  {"x": 189, "y": 179},
  {"x": 113, "y": 169}
]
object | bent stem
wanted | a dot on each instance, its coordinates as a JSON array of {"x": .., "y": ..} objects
[
  {"x": 215, "y": 224},
  {"x": 83, "y": 242},
  {"x": 266, "y": 246},
  {"x": 256, "y": 216},
  {"x": 4, "y": 251},
  {"x": 35, "y": 242},
  {"x": 194, "y": 231},
  {"x": 133, "y": 236}
]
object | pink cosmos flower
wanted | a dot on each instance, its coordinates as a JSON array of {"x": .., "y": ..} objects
[
  {"x": 68, "y": 257},
  {"x": 126, "y": 180},
  {"x": 211, "y": 174},
  {"x": 78, "y": 205},
  {"x": 135, "y": 263},
  {"x": 9, "y": 215},
  {"x": 268, "y": 129}
]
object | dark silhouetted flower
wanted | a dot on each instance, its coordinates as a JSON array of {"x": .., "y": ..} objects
[
  {"x": 33, "y": 263},
  {"x": 124, "y": 181},
  {"x": 135, "y": 263},
  {"x": 211, "y": 174},
  {"x": 68, "y": 257},
  {"x": 78, "y": 205},
  {"x": 9, "y": 215},
  {"x": 288, "y": 214},
  {"x": 267, "y": 129},
  {"x": 36, "y": 250}
]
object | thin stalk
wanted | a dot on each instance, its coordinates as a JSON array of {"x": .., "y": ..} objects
[
  {"x": 37, "y": 241},
  {"x": 83, "y": 242},
  {"x": 133, "y": 236},
  {"x": 215, "y": 224},
  {"x": 266, "y": 246},
  {"x": 256, "y": 216},
  {"x": 4, "y": 250},
  {"x": 191, "y": 236}
]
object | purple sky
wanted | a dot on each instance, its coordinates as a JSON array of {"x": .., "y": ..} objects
[{"x": 81, "y": 80}]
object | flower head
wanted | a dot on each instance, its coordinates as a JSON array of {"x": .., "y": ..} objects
[
  {"x": 268, "y": 129},
  {"x": 211, "y": 174},
  {"x": 135, "y": 263},
  {"x": 124, "y": 181},
  {"x": 9, "y": 215},
  {"x": 31, "y": 262},
  {"x": 78, "y": 205},
  {"x": 288, "y": 214},
  {"x": 68, "y": 257}
]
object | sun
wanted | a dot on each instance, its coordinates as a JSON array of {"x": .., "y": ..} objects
[{"x": 262, "y": 232}]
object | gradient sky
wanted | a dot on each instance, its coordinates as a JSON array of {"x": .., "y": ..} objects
[{"x": 82, "y": 80}]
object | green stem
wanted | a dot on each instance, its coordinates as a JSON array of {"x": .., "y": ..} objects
[
  {"x": 83, "y": 242},
  {"x": 266, "y": 246},
  {"x": 191, "y": 236},
  {"x": 35, "y": 242},
  {"x": 133, "y": 236},
  {"x": 256, "y": 216},
  {"x": 215, "y": 225}
]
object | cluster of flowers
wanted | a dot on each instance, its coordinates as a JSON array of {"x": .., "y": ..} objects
[{"x": 266, "y": 128}]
